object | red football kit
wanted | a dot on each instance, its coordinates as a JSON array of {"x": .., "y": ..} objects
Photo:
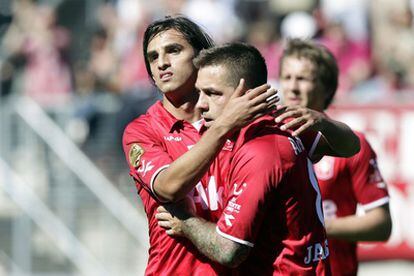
[
  {"x": 345, "y": 183},
  {"x": 151, "y": 142},
  {"x": 274, "y": 205}
]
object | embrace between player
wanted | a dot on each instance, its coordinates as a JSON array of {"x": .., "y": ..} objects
[{"x": 222, "y": 167}]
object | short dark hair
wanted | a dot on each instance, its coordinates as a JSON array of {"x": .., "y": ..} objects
[
  {"x": 324, "y": 61},
  {"x": 242, "y": 61},
  {"x": 193, "y": 33}
]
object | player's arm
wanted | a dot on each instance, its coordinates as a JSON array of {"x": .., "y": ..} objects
[
  {"x": 375, "y": 225},
  {"x": 203, "y": 235},
  {"x": 230, "y": 242},
  {"x": 371, "y": 192},
  {"x": 337, "y": 138},
  {"x": 176, "y": 181}
]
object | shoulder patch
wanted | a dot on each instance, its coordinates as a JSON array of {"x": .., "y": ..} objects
[{"x": 135, "y": 153}]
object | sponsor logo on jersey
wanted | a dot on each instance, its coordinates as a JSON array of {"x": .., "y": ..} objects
[
  {"x": 135, "y": 153},
  {"x": 173, "y": 138},
  {"x": 238, "y": 191},
  {"x": 228, "y": 218},
  {"x": 233, "y": 206},
  {"x": 210, "y": 197}
]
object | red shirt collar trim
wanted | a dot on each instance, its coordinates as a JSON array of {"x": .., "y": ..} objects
[{"x": 158, "y": 110}]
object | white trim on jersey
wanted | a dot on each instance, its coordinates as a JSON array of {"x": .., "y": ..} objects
[
  {"x": 153, "y": 179},
  {"x": 315, "y": 185},
  {"x": 376, "y": 203},
  {"x": 315, "y": 144},
  {"x": 227, "y": 236}
]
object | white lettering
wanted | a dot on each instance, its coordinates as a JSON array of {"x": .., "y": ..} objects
[
  {"x": 238, "y": 192},
  {"x": 214, "y": 198},
  {"x": 172, "y": 138},
  {"x": 308, "y": 257},
  {"x": 212, "y": 194},
  {"x": 316, "y": 252},
  {"x": 227, "y": 219},
  {"x": 203, "y": 196},
  {"x": 145, "y": 167}
]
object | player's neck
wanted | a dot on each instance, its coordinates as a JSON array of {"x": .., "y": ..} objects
[{"x": 183, "y": 108}]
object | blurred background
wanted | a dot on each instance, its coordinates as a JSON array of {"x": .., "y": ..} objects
[{"x": 72, "y": 76}]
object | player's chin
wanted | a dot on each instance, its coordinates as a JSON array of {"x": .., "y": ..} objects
[{"x": 168, "y": 87}]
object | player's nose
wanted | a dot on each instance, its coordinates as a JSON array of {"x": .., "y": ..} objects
[
  {"x": 202, "y": 102},
  {"x": 163, "y": 62}
]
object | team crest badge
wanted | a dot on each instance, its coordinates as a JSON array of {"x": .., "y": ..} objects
[{"x": 135, "y": 153}]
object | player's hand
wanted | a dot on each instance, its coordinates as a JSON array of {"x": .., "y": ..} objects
[
  {"x": 245, "y": 106},
  {"x": 302, "y": 119},
  {"x": 171, "y": 224},
  {"x": 171, "y": 217}
]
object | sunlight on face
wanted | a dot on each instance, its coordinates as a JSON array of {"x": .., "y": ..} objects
[
  {"x": 299, "y": 84},
  {"x": 171, "y": 61},
  {"x": 215, "y": 91}
]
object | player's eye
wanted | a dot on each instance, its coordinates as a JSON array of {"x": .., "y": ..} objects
[
  {"x": 286, "y": 77},
  {"x": 152, "y": 57}
]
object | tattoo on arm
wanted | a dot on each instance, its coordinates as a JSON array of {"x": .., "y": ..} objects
[{"x": 217, "y": 248}]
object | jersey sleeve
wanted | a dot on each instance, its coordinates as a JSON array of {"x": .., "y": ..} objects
[
  {"x": 368, "y": 184},
  {"x": 310, "y": 140},
  {"x": 145, "y": 154},
  {"x": 251, "y": 176}
]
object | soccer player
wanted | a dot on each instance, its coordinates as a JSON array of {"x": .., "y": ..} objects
[
  {"x": 273, "y": 222},
  {"x": 308, "y": 80},
  {"x": 157, "y": 144}
]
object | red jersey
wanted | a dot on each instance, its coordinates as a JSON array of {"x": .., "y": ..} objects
[
  {"x": 345, "y": 183},
  {"x": 274, "y": 205},
  {"x": 151, "y": 142}
]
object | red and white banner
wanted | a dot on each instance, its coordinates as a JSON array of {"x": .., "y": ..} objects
[{"x": 390, "y": 131}]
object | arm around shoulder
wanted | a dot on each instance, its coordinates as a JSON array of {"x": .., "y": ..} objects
[{"x": 179, "y": 178}]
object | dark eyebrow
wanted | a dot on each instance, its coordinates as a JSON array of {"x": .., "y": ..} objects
[{"x": 173, "y": 46}]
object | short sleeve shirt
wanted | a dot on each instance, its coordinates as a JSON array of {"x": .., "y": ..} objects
[
  {"x": 274, "y": 205},
  {"x": 346, "y": 183},
  {"x": 151, "y": 142}
]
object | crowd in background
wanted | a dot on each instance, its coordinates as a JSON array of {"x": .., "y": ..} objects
[{"x": 88, "y": 54}]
